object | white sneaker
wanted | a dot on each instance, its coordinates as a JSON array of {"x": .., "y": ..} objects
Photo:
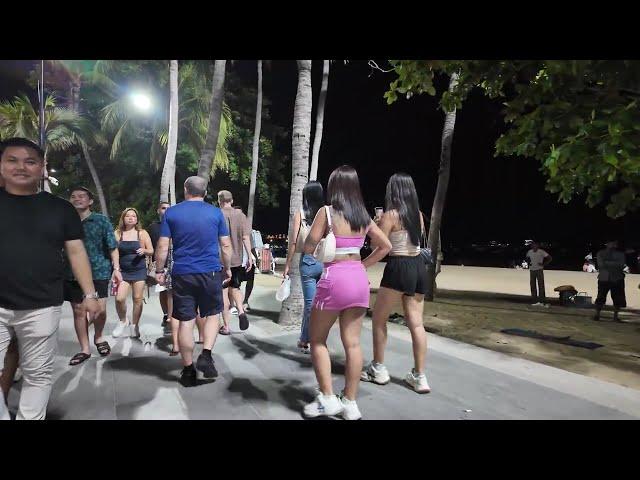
[
  {"x": 323, "y": 405},
  {"x": 233, "y": 311},
  {"x": 119, "y": 330},
  {"x": 376, "y": 374},
  {"x": 537, "y": 304},
  {"x": 350, "y": 408},
  {"x": 417, "y": 381}
]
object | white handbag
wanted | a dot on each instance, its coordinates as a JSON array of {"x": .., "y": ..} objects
[
  {"x": 326, "y": 250},
  {"x": 284, "y": 291}
]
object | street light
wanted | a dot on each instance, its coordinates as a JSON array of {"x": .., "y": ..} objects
[{"x": 141, "y": 101}]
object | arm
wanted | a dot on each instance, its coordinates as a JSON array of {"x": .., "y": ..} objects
[
  {"x": 115, "y": 261},
  {"x": 546, "y": 260},
  {"x": 112, "y": 246},
  {"x": 227, "y": 250},
  {"x": 246, "y": 241},
  {"x": 146, "y": 248},
  {"x": 162, "y": 251},
  {"x": 381, "y": 243},
  {"x": 292, "y": 243},
  {"x": 81, "y": 268},
  {"x": 317, "y": 231}
]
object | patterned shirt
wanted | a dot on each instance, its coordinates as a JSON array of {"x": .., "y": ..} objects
[{"x": 99, "y": 241}]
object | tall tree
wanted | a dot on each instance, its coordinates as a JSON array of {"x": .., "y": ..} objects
[
  {"x": 167, "y": 182},
  {"x": 256, "y": 148},
  {"x": 293, "y": 307},
  {"x": 317, "y": 140},
  {"x": 433, "y": 242},
  {"x": 215, "y": 114}
]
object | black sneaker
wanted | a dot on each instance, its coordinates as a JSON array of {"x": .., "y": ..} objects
[
  {"x": 244, "y": 321},
  {"x": 188, "y": 377},
  {"x": 206, "y": 366}
]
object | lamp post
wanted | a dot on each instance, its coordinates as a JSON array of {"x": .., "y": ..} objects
[{"x": 42, "y": 140}]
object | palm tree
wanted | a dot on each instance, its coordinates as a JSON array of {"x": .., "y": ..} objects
[
  {"x": 215, "y": 113},
  {"x": 168, "y": 194},
  {"x": 256, "y": 146},
  {"x": 433, "y": 242},
  {"x": 194, "y": 101},
  {"x": 319, "y": 121},
  {"x": 293, "y": 307}
]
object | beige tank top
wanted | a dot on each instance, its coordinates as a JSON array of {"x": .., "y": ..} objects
[{"x": 401, "y": 245}]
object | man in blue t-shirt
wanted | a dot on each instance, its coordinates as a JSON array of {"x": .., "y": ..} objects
[{"x": 199, "y": 233}]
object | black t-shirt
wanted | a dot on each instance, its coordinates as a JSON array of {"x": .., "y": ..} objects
[
  {"x": 154, "y": 232},
  {"x": 34, "y": 230}
]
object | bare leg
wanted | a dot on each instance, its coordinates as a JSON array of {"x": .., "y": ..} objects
[
  {"x": 210, "y": 331},
  {"x": 385, "y": 300},
  {"x": 164, "y": 297},
  {"x": 200, "y": 324},
  {"x": 121, "y": 300},
  {"x": 321, "y": 323},
  {"x": 236, "y": 295},
  {"x": 226, "y": 315},
  {"x": 138, "y": 300},
  {"x": 413, "y": 309},
  {"x": 185, "y": 338},
  {"x": 81, "y": 325},
  {"x": 99, "y": 322},
  {"x": 350, "y": 328}
]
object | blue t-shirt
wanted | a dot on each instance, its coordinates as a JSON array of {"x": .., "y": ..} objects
[{"x": 194, "y": 227}]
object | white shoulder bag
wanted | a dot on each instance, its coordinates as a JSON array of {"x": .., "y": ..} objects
[{"x": 326, "y": 250}]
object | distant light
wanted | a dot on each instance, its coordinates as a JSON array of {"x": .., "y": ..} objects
[
  {"x": 141, "y": 101},
  {"x": 53, "y": 170}
]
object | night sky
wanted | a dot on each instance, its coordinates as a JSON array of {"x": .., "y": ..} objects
[{"x": 489, "y": 198}]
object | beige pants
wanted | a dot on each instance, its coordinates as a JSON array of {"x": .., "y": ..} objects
[{"x": 36, "y": 334}]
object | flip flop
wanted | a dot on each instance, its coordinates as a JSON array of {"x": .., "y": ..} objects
[
  {"x": 78, "y": 358},
  {"x": 224, "y": 331},
  {"x": 173, "y": 353},
  {"x": 103, "y": 348}
]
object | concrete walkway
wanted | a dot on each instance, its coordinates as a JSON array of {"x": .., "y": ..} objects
[{"x": 263, "y": 376}]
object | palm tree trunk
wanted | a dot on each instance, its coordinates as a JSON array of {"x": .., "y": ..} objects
[
  {"x": 433, "y": 242},
  {"x": 215, "y": 112},
  {"x": 256, "y": 149},
  {"x": 319, "y": 121},
  {"x": 293, "y": 307},
  {"x": 169, "y": 168},
  {"x": 96, "y": 179}
]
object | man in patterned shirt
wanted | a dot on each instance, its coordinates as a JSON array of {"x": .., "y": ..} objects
[{"x": 102, "y": 249}]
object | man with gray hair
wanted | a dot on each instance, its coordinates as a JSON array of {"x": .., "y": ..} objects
[
  {"x": 196, "y": 229},
  {"x": 240, "y": 235}
]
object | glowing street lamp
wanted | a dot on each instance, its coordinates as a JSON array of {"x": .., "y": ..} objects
[{"x": 141, "y": 101}]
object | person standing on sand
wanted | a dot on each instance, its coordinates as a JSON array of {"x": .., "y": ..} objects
[{"x": 538, "y": 259}]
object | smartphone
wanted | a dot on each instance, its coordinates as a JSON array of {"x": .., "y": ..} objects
[{"x": 379, "y": 211}]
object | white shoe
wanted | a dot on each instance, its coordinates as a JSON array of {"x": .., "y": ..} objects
[
  {"x": 417, "y": 381},
  {"x": 134, "y": 331},
  {"x": 350, "y": 408},
  {"x": 537, "y": 304},
  {"x": 546, "y": 305},
  {"x": 119, "y": 330},
  {"x": 233, "y": 311},
  {"x": 323, "y": 405},
  {"x": 376, "y": 374}
]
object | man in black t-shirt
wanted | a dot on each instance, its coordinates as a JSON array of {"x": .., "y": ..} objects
[{"x": 38, "y": 226}]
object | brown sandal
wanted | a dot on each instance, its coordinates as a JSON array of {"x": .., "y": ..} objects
[{"x": 78, "y": 358}]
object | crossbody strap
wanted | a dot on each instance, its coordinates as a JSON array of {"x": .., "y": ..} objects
[{"x": 329, "y": 218}]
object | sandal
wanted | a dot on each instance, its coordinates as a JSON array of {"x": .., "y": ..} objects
[
  {"x": 103, "y": 348},
  {"x": 173, "y": 353},
  {"x": 224, "y": 331},
  {"x": 78, "y": 358}
]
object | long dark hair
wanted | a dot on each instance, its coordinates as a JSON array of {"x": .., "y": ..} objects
[
  {"x": 312, "y": 200},
  {"x": 344, "y": 195},
  {"x": 402, "y": 197}
]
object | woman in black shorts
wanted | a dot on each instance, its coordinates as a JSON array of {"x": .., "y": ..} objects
[
  {"x": 404, "y": 278},
  {"x": 134, "y": 246}
]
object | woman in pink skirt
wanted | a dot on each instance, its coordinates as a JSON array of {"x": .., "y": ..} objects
[{"x": 343, "y": 289}]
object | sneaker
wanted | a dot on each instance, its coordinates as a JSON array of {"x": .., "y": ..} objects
[
  {"x": 417, "y": 381},
  {"x": 546, "y": 305},
  {"x": 376, "y": 373},
  {"x": 188, "y": 378},
  {"x": 244, "y": 321},
  {"x": 233, "y": 311},
  {"x": 323, "y": 405},
  {"x": 206, "y": 366},
  {"x": 350, "y": 408},
  {"x": 537, "y": 304},
  {"x": 119, "y": 330},
  {"x": 134, "y": 331}
]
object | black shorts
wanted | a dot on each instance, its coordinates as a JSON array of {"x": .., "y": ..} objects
[
  {"x": 617, "y": 293},
  {"x": 73, "y": 292},
  {"x": 195, "y": 293},
  {"x": 405, "y": 274},
  {"x": 238, "y": 275}
]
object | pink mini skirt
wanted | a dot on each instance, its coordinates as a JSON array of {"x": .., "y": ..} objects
[{"x": 343, "y": 285}]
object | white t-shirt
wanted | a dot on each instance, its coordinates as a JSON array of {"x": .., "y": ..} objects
[{"x": 536, "y": 258}]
